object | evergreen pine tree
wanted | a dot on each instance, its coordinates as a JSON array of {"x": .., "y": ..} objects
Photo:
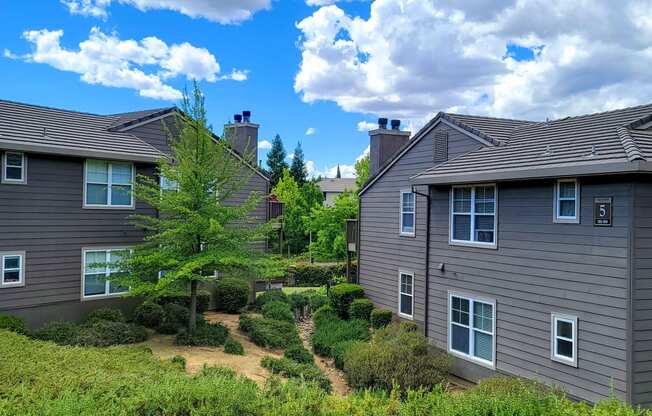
[
  {"x": 276, "y": 160},
  {"x": 338, "y": 175},
  {"x": 298, "y": 168}
]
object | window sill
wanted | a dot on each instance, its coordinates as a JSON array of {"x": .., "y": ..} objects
[
  {"x": 404, "y": 316},
  {"x": 565, "y": 361},
  {"x": 110, "y": 207},
  {"x": 461, "y": 243},
  {"x": 11, "y": 285},
  {"x": 474, "y": 360},
  {"x": 557, "y": 220},
  {"x": 12, "y": 182},
  {"x": 98, "y": 297},
  {"x": 402, "y": 234}
]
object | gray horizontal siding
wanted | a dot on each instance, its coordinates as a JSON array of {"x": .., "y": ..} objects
[
  {"x": 538, "y": 268},
  {"x": 642, "y": 296},
  {"x": 382, "y": 250}
]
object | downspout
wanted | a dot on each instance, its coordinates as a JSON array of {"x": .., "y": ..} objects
[
  {"x": 427, "y": 271},
  {"x": 357, "y": 243}
]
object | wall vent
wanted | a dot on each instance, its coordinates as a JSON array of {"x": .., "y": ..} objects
[{"x": 441, "y": 145}]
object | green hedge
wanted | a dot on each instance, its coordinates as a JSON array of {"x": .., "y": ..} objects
[
  {"x": 380, "y": 318},
  {"x": 361, "y": 309},
  {"x": 45, "y": 379},
  {"x": 208, "y": 334},
  {"x": 97, "y": 333},
  {"x": 232, "y": 346},
  {"x": 316, "y": 274},
  {"x": 278, "y": 310},
  {"x": 299, "y": 353},
  {"x": 292, "y": 369},
  {"x": 269, "y": 296},
  {"x": 12, "y": 323},
  {"x": 341, "y": 296},
  {"x": 106, "y": 314},
  {"x": 324, "y": 314},
  {"x": 269, "y": 333},
  {"x": 149, "y": 314},
  {"x": 330, "y": 333},
  {"x": 231, "y": 294}
]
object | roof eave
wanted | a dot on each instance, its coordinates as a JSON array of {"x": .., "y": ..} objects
[{"x": 588, "y": 169}]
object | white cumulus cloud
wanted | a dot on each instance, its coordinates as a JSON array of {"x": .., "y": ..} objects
[
  {"x": 264, "y": 145},
  {"x": 410, "y": 59},
  {"x": 221, "y": 11},
  {"x": 347, "y": 171},
  {"x": 366, "y": 126},
  {"x": 311, "y": 131},
  {"x": 143, "y": 65}
]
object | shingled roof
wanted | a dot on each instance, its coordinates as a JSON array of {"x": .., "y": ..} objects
[
  {"x": 610, "y": 142},
  {"x": 40, "y": 129}
]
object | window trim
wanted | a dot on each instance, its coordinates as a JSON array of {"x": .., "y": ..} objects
[
  {"x": 404, "y": 315},
  {"x": 107, "y": 294},
  {"x": 471, "y": 243},
  {"x": 162, "y": 179},
  {"x": 575, "y": 219},
  {"x": 554, "y": 317},
  {"x": 109, "y": 189},
  {"x": 414, "y": 213},
  {"x": 469, "y": 357},
  {"x": 23, "y": 169},
  {"x": 21, "y": 270}
]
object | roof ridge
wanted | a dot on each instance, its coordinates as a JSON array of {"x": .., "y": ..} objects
[
  {"x": 599, "y": 113},
  {"x": 491, "y": 117},
  {"x": 473, "y": 130},
  {"x": 630, "y": 145},
  {"x": 45, "y": 107}
]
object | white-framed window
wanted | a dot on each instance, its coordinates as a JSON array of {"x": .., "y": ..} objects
[
  {"x": 14, "y": 168},
  {"x": 108, "y": 184},
  {"x": 12, "y": 269},
  {"x": 472, "y": 329},
  {"x": 406, "y": 294},
  {"x": 474, "y": 215},
  {"x": 567, "y": 197},
  {"x": 563, "y": 342},
  {"x": 168, "y": 185},
  {"x": 98, "y": 265},
  {"x": 408, "y": 210}
]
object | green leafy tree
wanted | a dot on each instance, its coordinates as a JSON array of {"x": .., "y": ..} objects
[
  {"x": 313, "y": 196},
  {"x": 287, "y": 191},
  {"x": 199, "y": 230},
  {"x": 276, "y": 163},
  {"x": 298, "y": 167},
  {"x": 361, "y": 171},
  {"x": 328, "y": 226}
]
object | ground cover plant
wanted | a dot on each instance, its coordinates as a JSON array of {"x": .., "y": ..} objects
[
  {"x": 278, "y": 310},
  {"x": 205, "y": 334},
  {"x": 329, "y": 333},
  {"x": 295, "y": 370},
  {"x": 269, "y": 333},
  {"x": 91, "y": 381}
]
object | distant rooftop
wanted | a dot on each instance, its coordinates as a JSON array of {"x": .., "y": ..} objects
[{"x": 337, "y": 185}]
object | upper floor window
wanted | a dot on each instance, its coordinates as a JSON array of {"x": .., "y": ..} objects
[
  {"x": 473, "y": 215},
  {"x": 564, "y": 339},
  {"x": 472, "y": 328},
  {"x": 13, "y": 168},
  {"x": 12, "y": 269},
  {"x": 567, "y": 201},
  {"x": 407, "y": 219},
  {"x": 99, "y": 265},
  {"x": 108, "y": 184}
]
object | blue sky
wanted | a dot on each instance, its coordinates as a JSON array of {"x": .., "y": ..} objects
[
  {"x": 331, "y": 66},
  {"x": 264, "y": 45}
]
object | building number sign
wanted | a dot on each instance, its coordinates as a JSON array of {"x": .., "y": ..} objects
[{"x": 602, "y": 212}]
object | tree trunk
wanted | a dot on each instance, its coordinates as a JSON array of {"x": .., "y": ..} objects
[{"x": 192, "y": 324}]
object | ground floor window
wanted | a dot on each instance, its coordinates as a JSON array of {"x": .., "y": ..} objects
[
  {"x": 472, "y": 328},
  {"x": 564, "y": 339},
  {"x": 99, "y": 266},
  {"x": 406, "y": 294},
  {"x": 12, "y": 269}
]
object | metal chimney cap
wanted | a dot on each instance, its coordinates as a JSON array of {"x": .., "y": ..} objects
[
  {"x": 237, "y": 118},
  {"x": 246, "y": 116},
  {"x": 382, "y": 123},
  {"x": 396, "y": 124}
]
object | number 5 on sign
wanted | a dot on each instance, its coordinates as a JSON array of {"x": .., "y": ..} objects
[{"x": 602, "y": 212}]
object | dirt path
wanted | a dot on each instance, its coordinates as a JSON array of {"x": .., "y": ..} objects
[
  {"x": 326, "y": 364},
  {"x": 247, "y": 365}
]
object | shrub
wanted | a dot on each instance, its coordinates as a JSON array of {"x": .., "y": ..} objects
[
  {"x": 292, "y": 369},
  {"x": 179, "y": 360},
  {"x": 12, "y": 323},
  {"x": 168, "y": 328},
  {"x": 342, "y": 295},
  {"x": 105, "y": 314},
  {"x": 269, "y": 296},
  {"x": 183, "y": 299},
  {"x": 231, "y": 294},
  {"x": 409, "y": 326},
  {"x": 232, "y": 346},
  {"x": 149, "y": 314},
  {"x": 328, "y": 334},
  {"x": 339, "y": 350},
  {"x": 316, "y": 274},
  {"x": 380, "y": 318},
  {"x": 395, "y": 357},
  {"x": 361, "y": 309},
  {"x": 298, "y": 300},
  {"x": 269, "y": 333},
  {"x": 324, "y": 314},
  {"x": 278, "y": 310},
  {"x": 209, "y": 335},
  {"x": 59, "y": 332},
  {"x": 316, "y": 301},
  {"x": 299, "y": 353},
  {"x": 107, "y": 333},
  {"x": 176, "y": 314}
]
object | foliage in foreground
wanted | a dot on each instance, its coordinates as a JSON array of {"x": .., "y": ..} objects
[{"x": 101, "y": 382}]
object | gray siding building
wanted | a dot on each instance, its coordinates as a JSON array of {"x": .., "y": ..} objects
[
  {"x": 65, "y": 203},
  {"x": 521, "y": 248}
]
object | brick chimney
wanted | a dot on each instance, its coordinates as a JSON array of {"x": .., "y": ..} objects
[
  {"x": 243, "y": 136},
  {"x": 384, "y": 143}
]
